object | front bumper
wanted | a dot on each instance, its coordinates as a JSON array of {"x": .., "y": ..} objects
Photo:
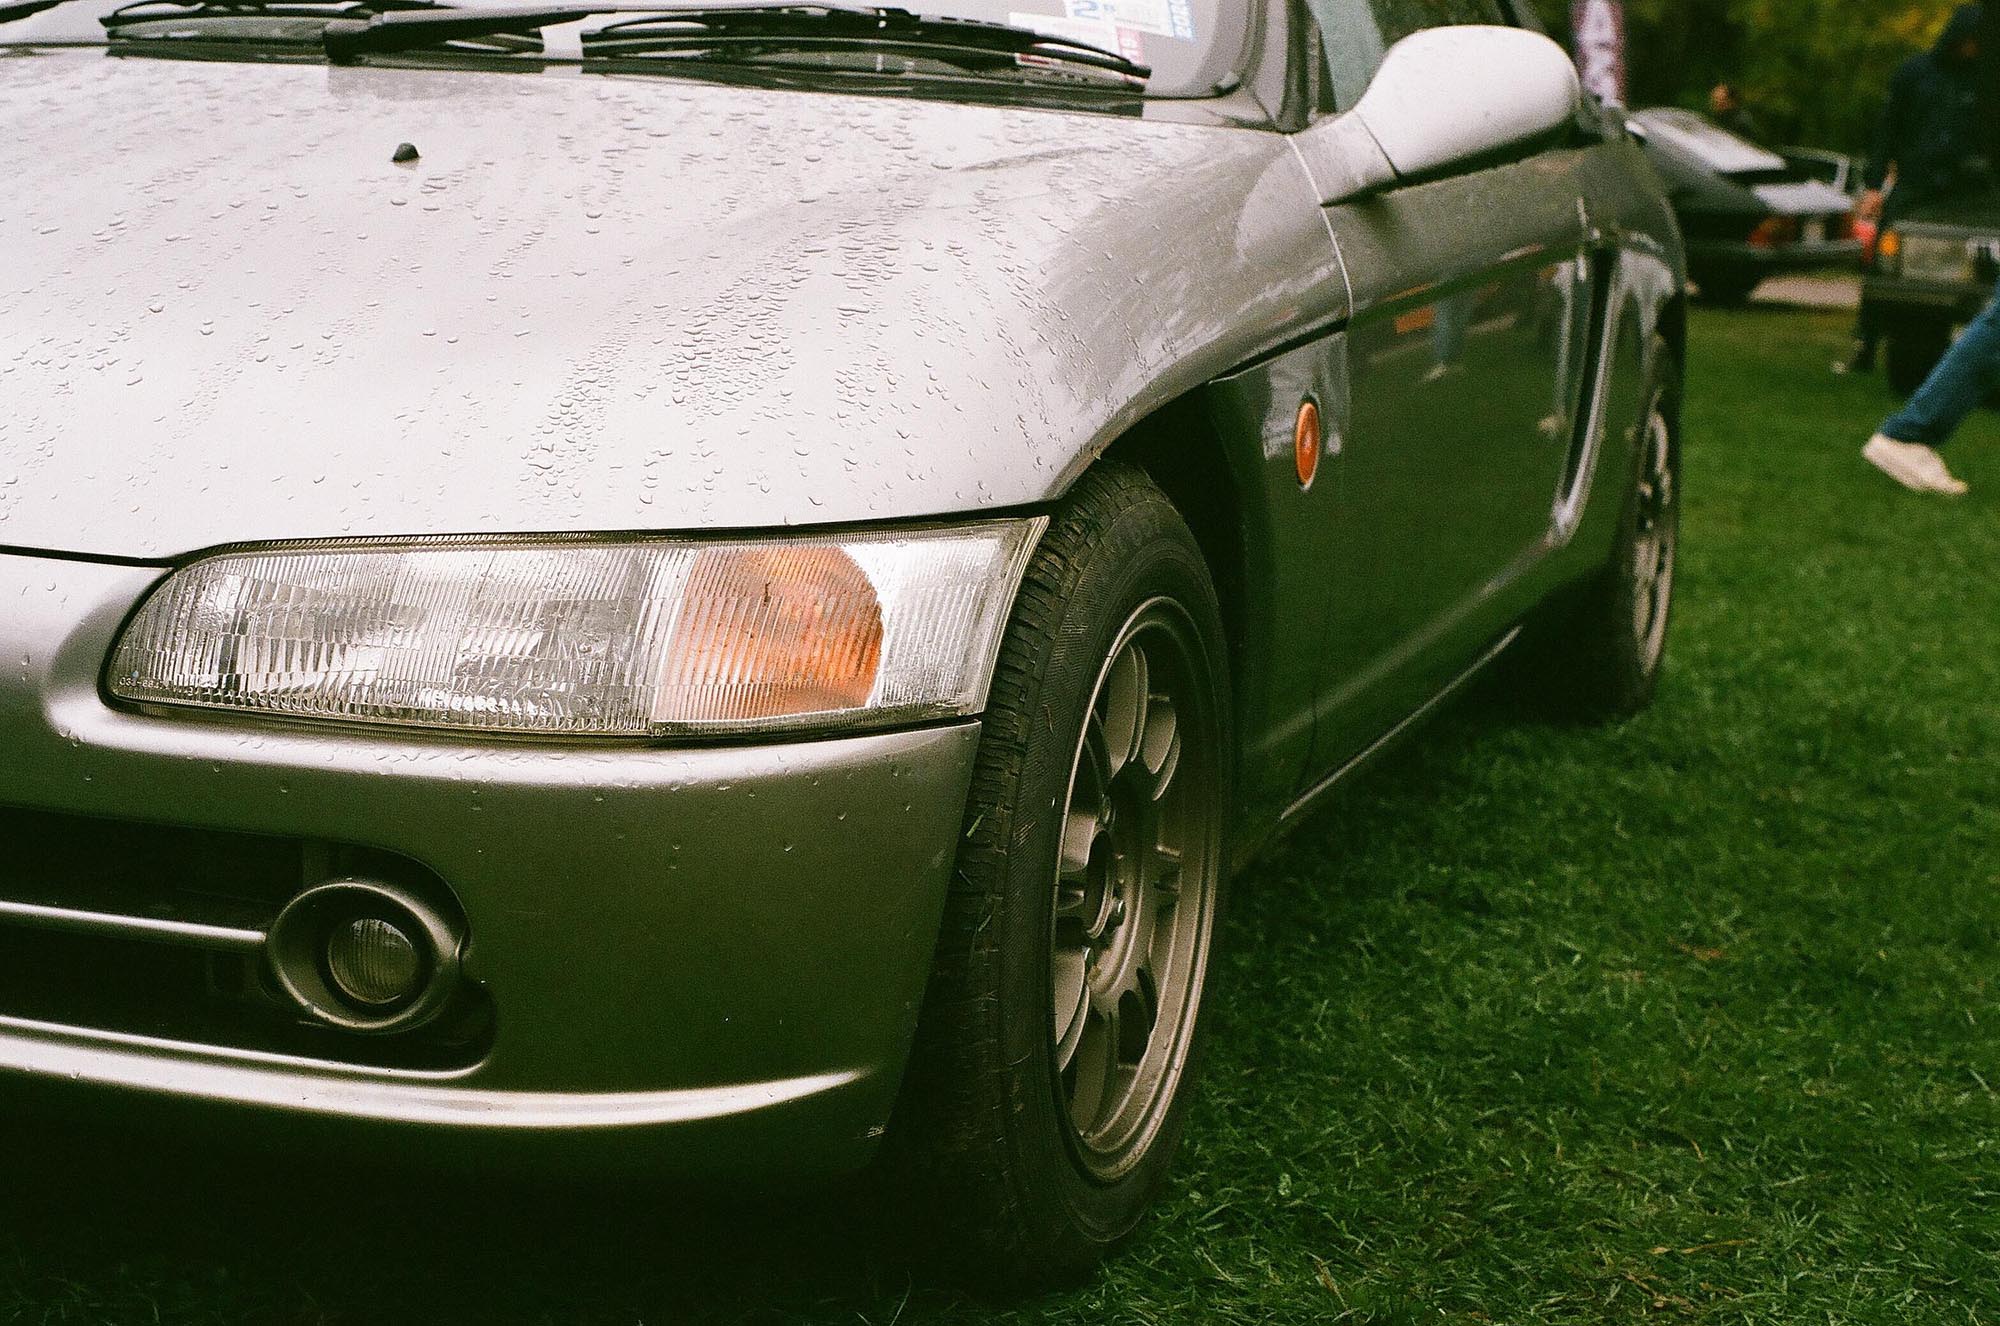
[
  {"x": 712, "y": 956},
  {"x": 1929, "y": 301}
]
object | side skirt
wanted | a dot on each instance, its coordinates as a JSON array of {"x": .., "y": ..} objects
[{"x": 1396, "y": 733}]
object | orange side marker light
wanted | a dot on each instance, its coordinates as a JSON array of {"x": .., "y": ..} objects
[{"x": 1305, "y": 442}]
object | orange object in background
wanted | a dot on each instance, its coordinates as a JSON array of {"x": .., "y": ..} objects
[
  {"x": 1869, "y": 232},
  {"x": 1773, "y": 231}
]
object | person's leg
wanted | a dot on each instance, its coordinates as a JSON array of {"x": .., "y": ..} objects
[
  {"x": 1969, "y": 370},
  {"x": 1867, "y": 338},
  {"x": 1905, "y": 447},
  {"x": 1867, "y": 326}
]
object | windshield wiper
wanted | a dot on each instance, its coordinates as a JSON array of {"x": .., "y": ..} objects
[
  {"x": 282, "y": 19},
  {"x": 26, "y": 9},
  {"x": 755, "y": 28},
  {"x": 400, "y": 30},
  {"x": 815, "y": 27}
]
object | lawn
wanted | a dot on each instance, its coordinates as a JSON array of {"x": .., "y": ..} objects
[{"x": 1692, "y": 1018}]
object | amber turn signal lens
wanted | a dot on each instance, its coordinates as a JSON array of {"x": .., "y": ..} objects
[
  {"x": 1305, "y": 442},
  {"x": 770, "y": 630}
]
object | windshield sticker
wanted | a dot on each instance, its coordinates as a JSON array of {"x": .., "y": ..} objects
[
  {"x": 1128, "y": 42},
  {"x": 1166, "y": 18}
]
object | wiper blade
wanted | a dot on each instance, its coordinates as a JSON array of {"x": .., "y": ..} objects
[
  {"x": 788, "y": 27},
  {"x": 27, "y": 9},
  {"x": 818, "y": 27},
  {"x": 399, "y": 30},
  {"x": 146, "y": 12}
]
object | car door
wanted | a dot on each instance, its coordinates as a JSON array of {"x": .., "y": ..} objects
[{"x": 1471, "y": 297}]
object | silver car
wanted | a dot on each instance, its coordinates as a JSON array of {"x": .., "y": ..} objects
[{"x": 724, "y": 587}]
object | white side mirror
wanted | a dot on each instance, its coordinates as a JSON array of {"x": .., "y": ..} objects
[{"x": 1443, "y": 96}]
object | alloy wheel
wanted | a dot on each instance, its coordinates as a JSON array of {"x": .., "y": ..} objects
[
  {"x": 1657, "y": 536},
  {"x": 1135, "y": 889}
]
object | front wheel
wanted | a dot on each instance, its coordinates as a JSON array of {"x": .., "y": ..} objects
[{"x": 1060, "y": 1032}]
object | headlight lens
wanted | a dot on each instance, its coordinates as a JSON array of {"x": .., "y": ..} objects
[
  {"x": 589, "y": 639},
  {"x": 1936, "y": 258}
]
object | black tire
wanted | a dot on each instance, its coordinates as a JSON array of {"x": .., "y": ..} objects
[
  {"x": 1591, "y": 656},
  {"x": 1725, "y": 287},
  {"x": 1912, "y": 350},
  {"x": 1000, "y": 1140}
]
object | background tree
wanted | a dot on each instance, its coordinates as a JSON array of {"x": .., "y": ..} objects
[{"x": 1813, "y": 71}]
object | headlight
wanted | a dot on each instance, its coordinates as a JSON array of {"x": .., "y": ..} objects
[
  {"x": 1936, "y": 258},
  {"x": 589, "y": 639}
]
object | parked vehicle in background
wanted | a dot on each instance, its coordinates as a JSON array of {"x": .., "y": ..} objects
[
  {"x": 1933, "y": 269},
  {"x": 1837, "y": 169},
  {"x": 1750, "y": 212},
  {"x": 721, "y": 586}
]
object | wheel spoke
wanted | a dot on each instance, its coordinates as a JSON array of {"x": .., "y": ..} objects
[
  {"x": 1071, "y": 973},
  {"x": 1070, "y": 908},
  {"x": 1124, "y": 718},
  {"x": 1160, "y": 743},
  {"x": 1170, "y": 763},
  {"x": 1080, "y": 830},
  {"x": 1139, "y": 1016},
  {"x": 1093, "y": 771},
  {"x": 1091, "y": 1066}
]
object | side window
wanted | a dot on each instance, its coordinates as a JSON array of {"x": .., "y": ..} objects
[{"x": 1356, "y": 33}]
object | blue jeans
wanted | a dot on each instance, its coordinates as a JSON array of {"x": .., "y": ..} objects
[{"x": 1969, "y": 370}]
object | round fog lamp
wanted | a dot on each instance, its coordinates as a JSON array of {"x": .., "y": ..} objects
[{"x": 373, "y": 962}]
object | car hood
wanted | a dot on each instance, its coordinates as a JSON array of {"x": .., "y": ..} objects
[{"x": 593, "y": 302}]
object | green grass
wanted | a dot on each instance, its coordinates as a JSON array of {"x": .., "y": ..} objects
[{"x": 1692, "y": 1018}]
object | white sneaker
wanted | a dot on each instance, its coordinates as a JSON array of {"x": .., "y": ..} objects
[{"x": 1913, "y": 465}]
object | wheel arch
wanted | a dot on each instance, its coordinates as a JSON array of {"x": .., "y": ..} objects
[
  {"x": 1180, "y": 449},
  {"x": 1203, "y": 451}
]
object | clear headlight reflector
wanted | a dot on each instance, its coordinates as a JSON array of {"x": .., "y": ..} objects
[
  {"x": 1939, "y": 258},
  {"x": 589, "y": 639}
]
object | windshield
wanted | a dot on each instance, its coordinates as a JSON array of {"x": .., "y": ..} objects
[{"x": 1193, "y": 48}]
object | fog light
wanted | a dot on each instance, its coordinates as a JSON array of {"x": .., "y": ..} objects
[
  {"x": 365, "y": 956},
  {"x": 372, "y": 962}
]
